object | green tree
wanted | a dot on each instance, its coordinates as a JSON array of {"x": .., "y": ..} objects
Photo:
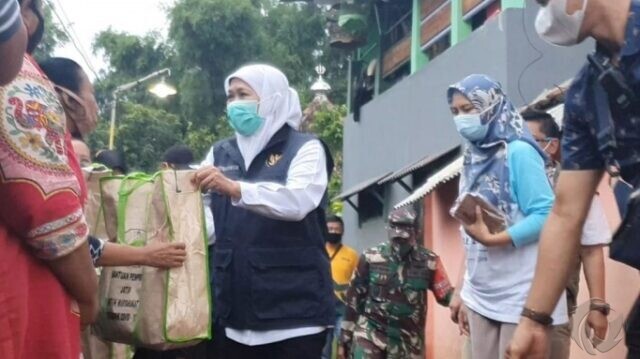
[
  {"x": 293, "y": 34},
  {"x": 212, "y": 38},
  {"x": 130, "y": 57},
  {"x": 54, "y": 36},
  {"x": 296, "y": 38},
  {"x": 328, "y": 125},
  {"x": 208, "y": 39},
  {"x": 201, "y": 139},
  {"x": 143, "y": 135}
]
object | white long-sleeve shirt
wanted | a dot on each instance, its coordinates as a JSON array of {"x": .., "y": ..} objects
[{"x": 306, "y": 184}]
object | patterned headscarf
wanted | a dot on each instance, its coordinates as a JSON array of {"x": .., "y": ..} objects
[{"x": 486, "y": 169}]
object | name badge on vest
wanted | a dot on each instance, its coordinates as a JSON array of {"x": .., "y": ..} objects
[
  {"x": 230, "y": 168},
  {"x": 273, "y": 159}
]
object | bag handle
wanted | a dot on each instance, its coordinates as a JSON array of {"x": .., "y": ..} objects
[{"x": 123, "y": 199}]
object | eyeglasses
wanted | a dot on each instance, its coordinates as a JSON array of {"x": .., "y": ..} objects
[{"x": 541, "y": 141}]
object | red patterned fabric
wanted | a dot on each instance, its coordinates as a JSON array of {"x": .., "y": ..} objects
[{"x": 41, "y": 219}]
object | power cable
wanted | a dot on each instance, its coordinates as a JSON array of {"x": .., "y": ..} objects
[
  {"x": 58, "y": 4},
  {"x": 538, "y": 58},
  {"x": 85, "y": 58}
]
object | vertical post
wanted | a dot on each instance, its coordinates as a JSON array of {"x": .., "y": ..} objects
[
  {"x": 349, "y": 84},
  {"x": 378, "y": 73},
  {"x": 460, "y": 29},
  {"x": 512, "y": 4},
  {"x": 418, "y": 58},
  {"x": 377, "y": 80},
  {"x": 112, "y": 129}
]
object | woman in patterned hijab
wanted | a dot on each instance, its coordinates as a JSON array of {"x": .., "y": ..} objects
[
  {"x": 484, "y": 158},
  {"x": 504, "y": 168}
]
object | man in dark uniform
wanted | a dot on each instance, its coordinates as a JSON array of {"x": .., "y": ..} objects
[
  {"x": 601, "y": 131},
  {"x": 387, "y": 299}
]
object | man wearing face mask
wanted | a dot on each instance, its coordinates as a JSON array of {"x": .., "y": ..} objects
[
  {"x": 387, "y": 299},
  {"x": 344, "y": 260},
  {"x": 600, "y": 131},
  {"x": 595, "y": 235}
]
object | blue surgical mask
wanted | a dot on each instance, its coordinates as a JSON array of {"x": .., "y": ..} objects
[
  {"x": 243, "y": 117},
  {"x": 470, "y": 126}
]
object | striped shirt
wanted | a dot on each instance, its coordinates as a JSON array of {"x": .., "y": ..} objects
[{"x": 10, "y": 19}]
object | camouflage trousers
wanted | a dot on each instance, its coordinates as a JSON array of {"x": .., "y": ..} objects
[{"x": 392, "y": 348}]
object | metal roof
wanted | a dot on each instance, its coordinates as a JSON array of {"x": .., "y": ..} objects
[
  {"x": 423, "y": 163},
  {"x": 451, "y": 171},
  {"x": 360, "y": 187}
]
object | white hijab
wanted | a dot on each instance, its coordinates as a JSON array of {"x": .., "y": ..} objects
[{"x": 279, "y": 105}]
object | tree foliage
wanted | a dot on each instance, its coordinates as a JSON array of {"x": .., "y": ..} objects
[
  {"x": 143, "y": 134},
  {"x": 212, "y": 38},
  {"x": 54, "y": 36},
  {"x": 328, "y": 126},
  {"x": 129, "y": 57},
  {"x": 207, "y": 40}
]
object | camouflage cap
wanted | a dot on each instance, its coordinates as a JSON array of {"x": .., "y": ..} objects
[{"x": 403, "y": 216}]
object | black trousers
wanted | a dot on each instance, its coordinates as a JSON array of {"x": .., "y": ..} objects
[
  {"x": 199, "y": 351},
  {"x": 307, "y": 347},
  {"x": 210, "y": 349},
  {"x": 632, "y": 332}
]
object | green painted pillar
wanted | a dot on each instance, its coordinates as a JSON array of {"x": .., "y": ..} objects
[
  {"x": 460, "y": 29},
  {"x": 512, "y": 4},
  {"x": 418, "y": 58}
]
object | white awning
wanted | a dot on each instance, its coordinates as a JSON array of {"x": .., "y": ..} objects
[{"x": 446, "y": 174}]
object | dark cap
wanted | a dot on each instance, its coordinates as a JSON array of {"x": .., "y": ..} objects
[
  {"x": 180, "y": 156},
  {"x": 403, "y": 216},
  {"x": 113, "y": 160}
]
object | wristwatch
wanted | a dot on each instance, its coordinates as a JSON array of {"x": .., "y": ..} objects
[
  {"x": 540, "y": 318},
  {"x": 603, "y": 308}
]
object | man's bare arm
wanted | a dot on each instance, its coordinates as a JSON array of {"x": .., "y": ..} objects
[
  {"x": 12, "y": 52},
  {"x": 594, "y": 272},
  {"x": 560, "y": 240}
]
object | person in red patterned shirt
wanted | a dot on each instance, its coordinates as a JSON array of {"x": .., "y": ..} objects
[{"x": 47, "y": 282}]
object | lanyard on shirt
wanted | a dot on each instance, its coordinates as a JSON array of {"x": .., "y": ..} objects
[{"x": 336, "y": 252}]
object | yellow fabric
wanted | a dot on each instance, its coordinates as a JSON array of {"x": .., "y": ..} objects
[{"x": 342, "y": 267}]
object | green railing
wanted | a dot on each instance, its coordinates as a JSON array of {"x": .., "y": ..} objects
[{"x": 459, "y": 30}]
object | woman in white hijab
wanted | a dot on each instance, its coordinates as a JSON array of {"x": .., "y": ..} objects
[{"x": 271, "y": 276}]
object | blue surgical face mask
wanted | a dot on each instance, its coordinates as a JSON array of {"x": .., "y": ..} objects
[
  {"x": 243, "y": 117},
  {"x": 470, "y": 126}
]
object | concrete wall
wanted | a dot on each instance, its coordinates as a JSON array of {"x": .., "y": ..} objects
[{"x": 412, "y": 119}]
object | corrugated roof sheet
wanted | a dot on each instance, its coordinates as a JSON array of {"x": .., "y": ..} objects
[
  {"x": 361, "y": 187},
  {"x": 420, "y": 164},
  {"x": 446, "y": 174}
]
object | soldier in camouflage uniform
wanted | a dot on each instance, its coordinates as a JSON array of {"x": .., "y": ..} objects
[{"x": 387, "y": 299}]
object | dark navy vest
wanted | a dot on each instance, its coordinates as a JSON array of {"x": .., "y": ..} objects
[{"x": 267, "y": 273}]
